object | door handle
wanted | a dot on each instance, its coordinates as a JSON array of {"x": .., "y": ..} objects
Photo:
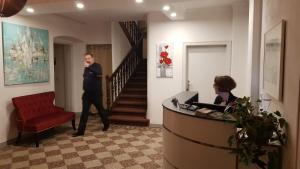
[{"x": 188, "y": 85}]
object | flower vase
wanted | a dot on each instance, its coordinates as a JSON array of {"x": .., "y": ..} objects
[{"x": 163, "y": 70}]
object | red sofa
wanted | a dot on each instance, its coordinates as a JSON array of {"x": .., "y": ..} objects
[{"x": 37, "y": 113}]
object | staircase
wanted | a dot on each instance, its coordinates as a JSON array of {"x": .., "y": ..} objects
[{"x": 127, "y": 87}]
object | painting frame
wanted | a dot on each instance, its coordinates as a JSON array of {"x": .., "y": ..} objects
[
  {"x": 273, "y": 60},
  {"x": 164, "y": 60},
  {"x": 26, "y": 56}
]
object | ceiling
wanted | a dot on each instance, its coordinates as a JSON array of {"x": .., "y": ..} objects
[{"x": 110, "y": 10}]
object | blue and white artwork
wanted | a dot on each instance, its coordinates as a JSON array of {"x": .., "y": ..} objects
[{"x": 25, "y": 54}]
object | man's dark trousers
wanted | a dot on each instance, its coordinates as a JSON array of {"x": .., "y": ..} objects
[{"x": 89, "y": 98}]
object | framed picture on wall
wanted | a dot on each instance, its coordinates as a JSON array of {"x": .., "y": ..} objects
[
  {"x": 274, "y": 43},
  {"x": 164, "y": 60},
  {"x": 25, "y": 54}
]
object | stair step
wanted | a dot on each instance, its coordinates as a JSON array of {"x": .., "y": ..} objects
[
  {"x": 134, "y": 89},
  {"x": 132, "y": 102},
  {"x": 137, "y": 71},
  {"x": 140, "y": 74},
  {"x": 142, "y": 86},
  {"x": 134, "y": 92},
  {"x": 138, "y": 77},
  {"x": 131, "y": 106},
  {"x": 132, "y": 110},
  {"x": 129, "y": 120},
  {"x": 132, "y": 82},
  {"x": 132, "y": 99},
  {"x": 125, "y": 109},
  {"x": 133, "y": 96},
  {"x": 141, "y": 69}
]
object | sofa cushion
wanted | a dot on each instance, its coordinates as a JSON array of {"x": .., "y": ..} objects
[
  {"x": 33, "y": 106},
  {"x": 47, "y": 121}
]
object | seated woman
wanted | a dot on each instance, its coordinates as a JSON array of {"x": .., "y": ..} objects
[{"x": 223, "y": 86}]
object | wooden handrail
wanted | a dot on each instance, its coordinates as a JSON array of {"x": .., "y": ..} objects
[
  {"x": 116, "y": 82},
  {"x": 126, "y": 58},
  {"x": 132, "y": 32}
]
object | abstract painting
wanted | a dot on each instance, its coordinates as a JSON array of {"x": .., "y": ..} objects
[
  {"x": 25, "y": 54},
  {"x": 164, "y": 60},
  {"x": 273, "y": 61}
]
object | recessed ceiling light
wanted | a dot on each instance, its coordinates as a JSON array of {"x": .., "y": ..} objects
[
  {"x": 139, "y": 1},
  {"x": 79, "y": 5},
  {"x": 173, "y": 14},
  {"x": 166, "y": 8},
  {"x": 30, "y": 10}
]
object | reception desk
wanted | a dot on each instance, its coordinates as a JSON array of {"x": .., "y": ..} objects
[{"x": 194, "y": 142}]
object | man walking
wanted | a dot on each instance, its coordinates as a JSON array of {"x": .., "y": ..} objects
[{"x": 92, "y": 82}]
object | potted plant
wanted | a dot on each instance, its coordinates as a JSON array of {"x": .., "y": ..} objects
[{"x": 256, "y": 131}]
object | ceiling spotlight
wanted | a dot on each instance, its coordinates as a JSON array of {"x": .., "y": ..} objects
[
  {"x": 166, "y": 8},
  {"x": 79, "y": 5},
  {"x": 30, "y": 10},
  {"x": 173, "y": 14},
  {"x": 139, "y": 1}
]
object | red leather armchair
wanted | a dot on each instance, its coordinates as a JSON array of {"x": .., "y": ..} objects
[{"x": 37, "y": 113}]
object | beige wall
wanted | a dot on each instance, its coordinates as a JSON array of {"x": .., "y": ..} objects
[
  {"x": 273, "y": 12},
  {"x": 57, "y": 26}
]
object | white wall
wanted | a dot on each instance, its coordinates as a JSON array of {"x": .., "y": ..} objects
[
  {"x": 57, "y": 26},
  {"x": 120, "y": 45},
  {"x": 273, "y": 12},
  {"x": 240, "y": 47},
  {"x": 205, "y": 25}
]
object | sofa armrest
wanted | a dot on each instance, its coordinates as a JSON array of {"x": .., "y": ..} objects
[{"x": 59, "y": 109}]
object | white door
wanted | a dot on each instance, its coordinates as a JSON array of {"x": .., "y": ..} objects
[{"x": 204, "y": 63}]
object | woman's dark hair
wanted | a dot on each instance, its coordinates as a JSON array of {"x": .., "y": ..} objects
[
  {"x": 89, "y": 54},
  {"x": 224, "y": 83}
]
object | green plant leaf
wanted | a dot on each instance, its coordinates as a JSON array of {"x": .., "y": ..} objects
[
  {"x": 282, "y": 122},
  {"x": 277, "y": 113}
]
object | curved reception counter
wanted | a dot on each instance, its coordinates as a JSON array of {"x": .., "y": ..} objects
[{"x": 195, "y": 142}]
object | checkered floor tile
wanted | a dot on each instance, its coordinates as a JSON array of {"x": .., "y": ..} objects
[{"x": 120, "y": 147}]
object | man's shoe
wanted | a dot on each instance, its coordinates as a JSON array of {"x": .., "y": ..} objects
[
  {"x": 106, "y": 127},
  {"x": 77, "y": 134}
]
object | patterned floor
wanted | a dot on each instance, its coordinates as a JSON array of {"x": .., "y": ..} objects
[{"x": 120, "y": 147}]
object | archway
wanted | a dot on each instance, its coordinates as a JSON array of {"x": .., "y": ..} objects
[{"x": 67, "y": 52}]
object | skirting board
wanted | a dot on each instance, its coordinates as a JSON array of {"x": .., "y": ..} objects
[{"x": 9, "y": 142}]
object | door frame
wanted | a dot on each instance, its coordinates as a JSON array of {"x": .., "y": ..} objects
[{"x": 186, "y": 45}]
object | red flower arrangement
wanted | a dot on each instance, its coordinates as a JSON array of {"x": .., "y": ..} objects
[{"x": 164, "y": 56}]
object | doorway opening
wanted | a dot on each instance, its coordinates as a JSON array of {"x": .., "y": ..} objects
[
  {"x": 103, "y": 55},
  {"x": 203, "y": 62},
  {"x": 62, "y": 53}
]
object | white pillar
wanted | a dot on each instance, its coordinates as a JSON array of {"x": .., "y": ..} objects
[{"x": 255, "y": 19}]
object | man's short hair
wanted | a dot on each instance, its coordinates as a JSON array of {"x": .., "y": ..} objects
[{"x": 89, "y": 54}]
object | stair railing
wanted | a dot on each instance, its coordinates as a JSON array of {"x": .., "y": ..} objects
[
  {"x": 132, "y": 32},
  {"x": 117, "y": 81}
]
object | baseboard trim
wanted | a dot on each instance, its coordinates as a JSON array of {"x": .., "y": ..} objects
[
  {"x": 9, "y": 142},
  {"x": 156, "y": 125}
]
